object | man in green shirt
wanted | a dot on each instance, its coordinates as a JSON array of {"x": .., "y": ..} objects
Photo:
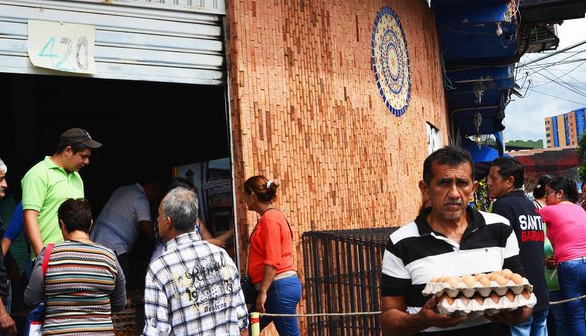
[{"x": 48, "y": 183}]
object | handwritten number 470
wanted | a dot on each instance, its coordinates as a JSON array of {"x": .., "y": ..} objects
[{"x": 58, "y": 60}]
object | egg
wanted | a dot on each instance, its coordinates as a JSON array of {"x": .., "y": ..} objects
[
  {"x": 465, "y": 301},
  {"x": 452, "y": 281},
  {"x": 526, "y": 294},
  {"x": 510, "y": 295},
  {"x": 501, "y": 280},
  {"x": 432, "y": 280},
  {"x": 479, "y": 299},
  {"x": 494, "y": 297},
  {"x": 484, "y": 281},
  {"x": 468, "y": 280},
  {"x": 479, "y": 275},
  {"x": 516, "y": 278},
  {"x": 492, "y": 275},
  {"x": 447, "y": 299},
  {"x": 506, "y": 273}
]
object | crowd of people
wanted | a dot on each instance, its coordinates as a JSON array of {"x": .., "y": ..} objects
[
  {"x": 192, "y": 285},
  {"x": 543, "y": 238}
]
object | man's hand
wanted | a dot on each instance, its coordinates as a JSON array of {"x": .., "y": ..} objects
[
  {"x": 217, "y": 242},
  {"x": 7, "y": 324},
  {"x": 433, "y": 319},
  {"x": 396, "y": 321},
  {"x": 550, "y": 263},
  {"x": 512, "y": 317}
]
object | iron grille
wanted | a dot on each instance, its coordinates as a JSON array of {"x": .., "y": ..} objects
[{"x": 342, "y": 275}]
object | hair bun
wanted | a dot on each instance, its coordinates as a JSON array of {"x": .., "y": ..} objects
[{"x": 272, "y": 186}]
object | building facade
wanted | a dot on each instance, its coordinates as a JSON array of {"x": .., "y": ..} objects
[
  {"x": 298, "y": 91},
  {"x": 565, "y": 130}
]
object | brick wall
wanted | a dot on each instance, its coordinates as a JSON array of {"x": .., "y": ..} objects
[{"x": 305, "y": 109}]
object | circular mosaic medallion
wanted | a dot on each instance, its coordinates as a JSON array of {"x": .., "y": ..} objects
[{"x": 390, "y": 61}]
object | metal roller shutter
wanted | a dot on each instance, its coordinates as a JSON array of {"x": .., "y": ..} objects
[{"x": 179, "y": 42}]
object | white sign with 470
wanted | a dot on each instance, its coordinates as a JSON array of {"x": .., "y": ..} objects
[{"x": 62, "y": 46}]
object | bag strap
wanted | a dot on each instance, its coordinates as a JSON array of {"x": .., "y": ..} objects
[
  {"x": 248, "y": 247},
  {"x": 48, "y": 251}
]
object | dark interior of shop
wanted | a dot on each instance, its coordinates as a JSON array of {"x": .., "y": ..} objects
[{"x": 146, "y": 128}]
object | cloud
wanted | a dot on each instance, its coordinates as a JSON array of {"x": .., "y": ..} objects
[{"x": 524, "y": 117}]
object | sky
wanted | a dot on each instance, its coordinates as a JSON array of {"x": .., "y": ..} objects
[{"x": 543, "y": 97}]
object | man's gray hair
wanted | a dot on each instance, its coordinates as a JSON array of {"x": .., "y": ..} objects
[
  {"x": 181, "y": 206},
  {"x": 3, "y": 167}
]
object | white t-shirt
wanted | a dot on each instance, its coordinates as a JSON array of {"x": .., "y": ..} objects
[{"x": 117, "y": 224}]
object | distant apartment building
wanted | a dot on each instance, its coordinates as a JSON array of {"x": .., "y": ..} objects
[{"x": 565, "y": 130}]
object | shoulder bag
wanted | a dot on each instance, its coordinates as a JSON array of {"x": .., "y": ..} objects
[
  {"x": 37, "y": 315},
  {"x": 250, "y": 292}
]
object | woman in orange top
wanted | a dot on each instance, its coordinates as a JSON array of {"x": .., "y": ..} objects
[{"x": 270, "y": 262}]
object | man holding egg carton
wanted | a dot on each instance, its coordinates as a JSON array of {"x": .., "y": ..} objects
[{"x": 447, "y": 238}]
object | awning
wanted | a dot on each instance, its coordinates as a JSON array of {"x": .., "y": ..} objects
[
  {"x": 482, "y": 157},
  {"x": 483, "y": 154}
]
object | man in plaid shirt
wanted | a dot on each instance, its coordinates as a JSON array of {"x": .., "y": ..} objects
[{"x": 193, "y": 288}]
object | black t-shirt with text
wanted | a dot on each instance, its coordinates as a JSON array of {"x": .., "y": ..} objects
[{"x": 529, "y": 229}]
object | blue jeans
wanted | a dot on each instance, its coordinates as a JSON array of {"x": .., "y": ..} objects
[
  {"x": 282, "y": 298},
  {"x": 556, "y": 319},
  {"x": 536, "y": 325},
  {"x": 572, "y": 278}
]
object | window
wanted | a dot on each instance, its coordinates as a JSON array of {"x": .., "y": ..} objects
[{"x": 434, "y": 138}]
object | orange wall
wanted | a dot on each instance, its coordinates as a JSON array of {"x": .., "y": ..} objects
[
  {"x": 561, "y": 131},
  {"x": 305, "y": 109}
]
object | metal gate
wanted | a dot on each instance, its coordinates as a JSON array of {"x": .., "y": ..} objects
[{"x": 342, "y": 275}]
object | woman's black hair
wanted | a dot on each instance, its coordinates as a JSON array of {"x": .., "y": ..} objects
[
  {"x": 76, "y": 214},
  {"x": 567, "y": 185},
  {"x": 539, "y": 190}
]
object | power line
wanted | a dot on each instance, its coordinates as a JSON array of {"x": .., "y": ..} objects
[
  {"x": 557, "y": 63},
  {"x": 562, "y": 84},
  {"x": 554, "y": 53},
  {"x": 545, "y": 66},
  {"x": 560, "y": 98}
]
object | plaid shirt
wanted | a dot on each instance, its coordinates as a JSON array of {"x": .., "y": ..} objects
[{"x": 193, "y": 288}]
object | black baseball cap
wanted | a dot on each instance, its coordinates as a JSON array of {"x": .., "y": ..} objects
[{"x": 78, "y": 135}]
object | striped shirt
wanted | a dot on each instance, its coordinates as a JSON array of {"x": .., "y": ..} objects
[
  {"x": 415, "y": 254},
  {"x": 193, "y": 288},
  {"x": 82, "y": 283}
]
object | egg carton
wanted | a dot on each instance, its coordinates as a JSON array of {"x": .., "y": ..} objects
[
  {"x": 499, "y": 282},
  {"x": 479, "y": 305}
]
